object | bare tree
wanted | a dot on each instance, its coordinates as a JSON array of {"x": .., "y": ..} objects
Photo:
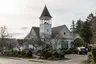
[
  {"x": 56, "y": 35},
  {"x": 4, "y": 35},
  {"x": 4, "y": 32}
]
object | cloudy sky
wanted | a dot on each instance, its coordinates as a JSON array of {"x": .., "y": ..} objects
[{"x": 20, "y": 15}]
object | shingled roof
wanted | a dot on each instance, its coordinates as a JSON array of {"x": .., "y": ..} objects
[
  {"x": 45, "y": 13},
  {"x": 56, "y": 32},
  {"x": 36, "y": 29}
]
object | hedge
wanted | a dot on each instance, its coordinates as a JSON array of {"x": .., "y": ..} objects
[
  {"x": 16, "y": 53},
  {"x": 29, "y": 53},
  {"x": 68, "y": 51}
]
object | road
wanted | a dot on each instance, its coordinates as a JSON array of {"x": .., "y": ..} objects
[{"x": 72, "y": 59}]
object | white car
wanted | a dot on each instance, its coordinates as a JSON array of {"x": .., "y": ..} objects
[{"x": 81, "y": 50}]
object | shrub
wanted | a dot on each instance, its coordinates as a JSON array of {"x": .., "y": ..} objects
[
  {"x": 23, "y": 53},
  {"x": 39, "y": 52},
  {"x": 89, "y": 48},
  {"x": 59, "y": 53},
  {"x": 14, "y": 52},
  {"x": 46, "y": 53},
  {"x": 19, "y": 52},
  {"x": 90, "y": 59},
  {"x": 29, "y": 54},
  {"x": 94, "y": 53},
  {"x": 9, "y": 53},
  {"x": 68, "y": 51},
  {"x": 79, "y": 42}
]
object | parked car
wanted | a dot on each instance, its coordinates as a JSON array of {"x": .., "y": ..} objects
[{"x": 81, "y": 50}]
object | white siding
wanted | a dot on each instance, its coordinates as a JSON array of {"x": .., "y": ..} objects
[
  {"x": 45, "y": 29},
  {"x": 67, "y": 32},
  {"x": 30, "y": 46},
  {"x": 56, "y": 43}
]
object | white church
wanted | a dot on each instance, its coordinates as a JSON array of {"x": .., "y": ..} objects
[{"x": 59, "y": 35}]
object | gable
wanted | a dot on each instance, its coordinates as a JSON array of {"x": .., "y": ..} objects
[
  {"x": 61, "y": 32},
  {"x": 66, "y": 32},
  {"x": 36, "y": 30},
  {"x": 57, "y": 32},
  {"x": 32, "y": 34}
]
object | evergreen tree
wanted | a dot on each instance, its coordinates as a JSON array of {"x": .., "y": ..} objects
[
  {"x": 79, "y": 25},
  {"x": 90, "y": 17},
  {"x": 73, "y": 27},
  {"x": 85, "y": 28},
  {"x": 86, "y": 32}
]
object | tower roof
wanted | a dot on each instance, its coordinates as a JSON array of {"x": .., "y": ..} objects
[{"x": 45, "y": 13}]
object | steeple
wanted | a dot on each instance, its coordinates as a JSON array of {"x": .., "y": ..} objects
[
  {"x": 45, "y": 24},
  {"x": 45, "y": 14}
]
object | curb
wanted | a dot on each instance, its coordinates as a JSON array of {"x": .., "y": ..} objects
[{"x": 36, "y": 60}]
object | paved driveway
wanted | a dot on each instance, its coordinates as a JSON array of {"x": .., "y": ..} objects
[{"x": 73, "y": 59}]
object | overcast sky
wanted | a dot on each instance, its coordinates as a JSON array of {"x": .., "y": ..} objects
[{"x": 20, "y": 15}]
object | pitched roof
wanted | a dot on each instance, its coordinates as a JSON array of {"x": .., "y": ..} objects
[
  {"x": 45, "y": 13},
  {"x": 76, "y": 35},
  {"x": 56, "y": 32},
  {"x": 36, "y": 29}
]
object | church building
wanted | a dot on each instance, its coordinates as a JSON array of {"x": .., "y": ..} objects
[{"x": 59, "y": 35}]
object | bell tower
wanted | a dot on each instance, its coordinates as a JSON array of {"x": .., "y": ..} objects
[{"x": 45, "y": 24}]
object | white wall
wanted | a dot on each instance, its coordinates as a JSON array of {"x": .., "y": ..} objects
[
  {"x": 45, "y": 29},
  {"x": 69, "y": 42},
  {"x": 67, "y": 32},
  {"x": 57, "y": 43}
]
